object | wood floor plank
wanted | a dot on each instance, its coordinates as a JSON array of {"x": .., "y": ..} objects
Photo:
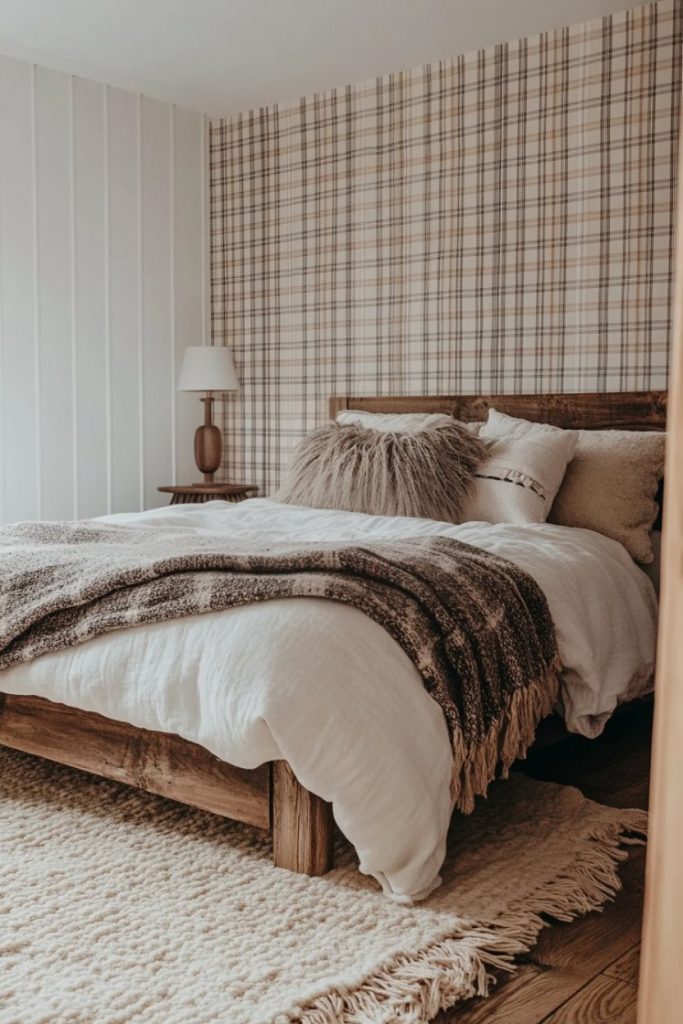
[
  {"x": 598, "y": 939},
  {"x": 627, "y": 967},
  {"x": 566, "y": 958},
  {"x": 583, "y": 972},
  {"x": 526, "y": 997},
  {"x": 602, "y": 1001}
]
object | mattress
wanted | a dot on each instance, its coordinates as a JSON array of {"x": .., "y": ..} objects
[{"x": 324, "y": 687}]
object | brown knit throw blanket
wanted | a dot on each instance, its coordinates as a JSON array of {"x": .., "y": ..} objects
[{"x": 477, "y": 627}]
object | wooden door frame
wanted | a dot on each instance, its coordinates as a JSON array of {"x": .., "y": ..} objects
[{"x": 661, "y": 974}]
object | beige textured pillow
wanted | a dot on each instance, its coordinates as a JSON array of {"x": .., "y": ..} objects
[
  {"x": 426, "y": 474},
  {"x": 611, "y": 487},
  {"x": 524, "y": 469}
]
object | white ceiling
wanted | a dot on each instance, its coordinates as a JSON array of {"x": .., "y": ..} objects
[{"x": 223, "y": 56}]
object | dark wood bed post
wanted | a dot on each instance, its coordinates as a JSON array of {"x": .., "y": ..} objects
[{"x": 302, "y": 825}]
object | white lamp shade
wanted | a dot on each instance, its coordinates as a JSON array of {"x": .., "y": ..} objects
[{"x": 207, "y": 368}]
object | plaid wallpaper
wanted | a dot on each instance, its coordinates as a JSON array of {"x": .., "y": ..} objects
[{"x": 502, "y": 221}]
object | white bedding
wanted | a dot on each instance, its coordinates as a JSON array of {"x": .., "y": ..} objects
[{"x": 323, "y": 686}]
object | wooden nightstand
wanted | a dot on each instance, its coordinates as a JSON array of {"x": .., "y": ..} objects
[{"x": 196, "y": 494}]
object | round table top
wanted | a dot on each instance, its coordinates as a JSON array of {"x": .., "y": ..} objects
[{"x": 226, "y": 487}]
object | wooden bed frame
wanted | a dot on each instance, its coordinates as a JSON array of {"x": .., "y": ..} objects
[{"x": 270, "y": 797}]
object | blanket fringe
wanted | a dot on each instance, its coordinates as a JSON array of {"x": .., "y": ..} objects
[
  {"x": 475, "y": 765},
  {"x": 412, "y": 988}
]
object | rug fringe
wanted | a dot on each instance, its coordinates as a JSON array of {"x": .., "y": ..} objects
[{"x": 413, "y": 988}]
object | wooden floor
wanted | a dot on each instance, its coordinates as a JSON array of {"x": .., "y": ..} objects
[{"x": 585, "y": 972}]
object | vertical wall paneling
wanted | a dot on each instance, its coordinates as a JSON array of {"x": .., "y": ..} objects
[
  {"x": 54, "y": 260},
  {"x": 18, "y": 435},
  {"x": 102, "y": 285},
  {"x": 124, "y": 301},
  {"x": 72, "y": 296},
  {"x": 2, "y": 422},
  {"x": 37, "y": 370},
  {"x": 107, "y": 308},
  {"x": 90, "y": 274},
  {"x": 156, "y": 284},
  {"x": 141, "y": 294},
  {"x": 171, "y": 220},
  {"x": 189, "y": 275}
]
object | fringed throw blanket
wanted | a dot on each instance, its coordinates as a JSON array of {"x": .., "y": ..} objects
[{"x": 477, "y": 627}]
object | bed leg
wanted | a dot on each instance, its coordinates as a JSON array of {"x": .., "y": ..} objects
[{"x": 302, "y": 825}]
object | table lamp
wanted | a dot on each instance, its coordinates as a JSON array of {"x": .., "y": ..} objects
[{"x": 207, "y": 368}]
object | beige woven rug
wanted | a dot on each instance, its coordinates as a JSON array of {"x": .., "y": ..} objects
[{"x": 117, "y": 907}]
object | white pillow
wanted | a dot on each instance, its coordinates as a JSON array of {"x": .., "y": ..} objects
[
  {"x": 526, "y": 465},
  {"x": 392, "y": 422}
]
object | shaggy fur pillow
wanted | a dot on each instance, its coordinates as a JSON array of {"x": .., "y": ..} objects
[{"x": 426, "y": 473}]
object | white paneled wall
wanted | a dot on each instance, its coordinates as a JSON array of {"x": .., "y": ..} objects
[{"x": 103, "y": 282}]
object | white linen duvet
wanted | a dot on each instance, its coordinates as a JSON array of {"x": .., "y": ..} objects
[{"x": 321, "y": 685}]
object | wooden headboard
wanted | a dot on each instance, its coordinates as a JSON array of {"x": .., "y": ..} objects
[{"x": 624, "y": 410}]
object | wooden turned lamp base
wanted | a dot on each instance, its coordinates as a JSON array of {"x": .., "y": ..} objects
[
  {"x": 208, "y": 443},
  {"x": 207, "y": 453}
]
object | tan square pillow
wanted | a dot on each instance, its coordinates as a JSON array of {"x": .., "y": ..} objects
[{"x": 611, "y": 487}]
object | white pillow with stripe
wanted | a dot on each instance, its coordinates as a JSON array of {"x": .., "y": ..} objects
[{"x": 523, "y": 473}]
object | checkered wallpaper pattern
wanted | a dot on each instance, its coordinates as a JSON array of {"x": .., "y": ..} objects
[{"x": 502, "y": 221}]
